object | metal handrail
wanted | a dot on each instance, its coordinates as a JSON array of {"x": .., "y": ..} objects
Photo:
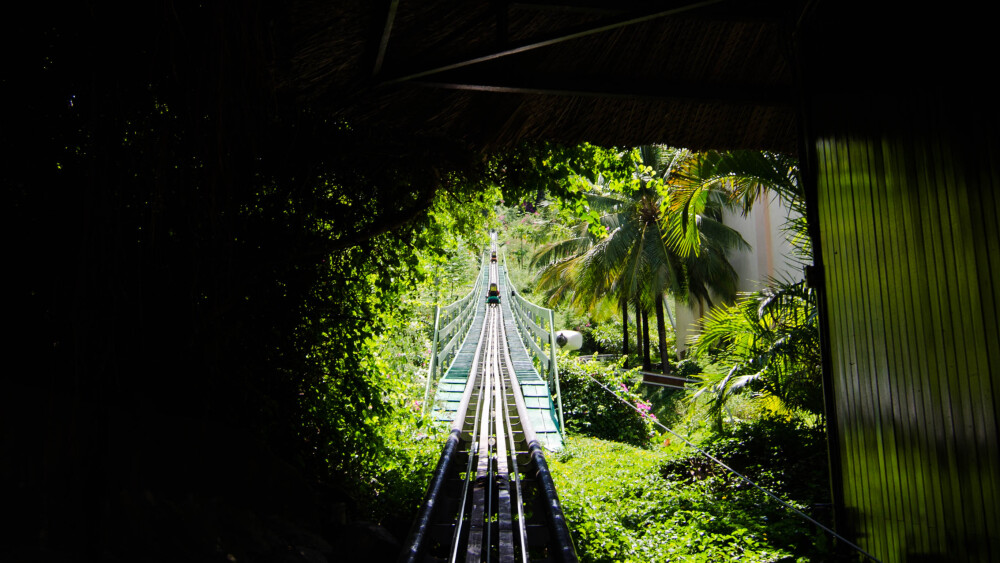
[
  {"x": 448, "y": 455},
  {"x": 458, "y": 315},
  {"x": 563, "y": 538},
  {"x": 525, "y": 324}
]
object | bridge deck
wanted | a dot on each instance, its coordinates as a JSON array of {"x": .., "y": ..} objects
[{"x": 537, "y": 399}]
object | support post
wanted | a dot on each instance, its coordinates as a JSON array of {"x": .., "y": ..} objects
[
  {"x": 554, "y": 371},
  {"x": 433, "y": 363}
]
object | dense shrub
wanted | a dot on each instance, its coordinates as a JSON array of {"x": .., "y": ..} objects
[
  {"x": 620, "y": 508},
  {"x": 781, "y": 454},
  {"x": 591, "y": 409},
  {"x": 608, "y": 337},
  {"x": 688, "y": 366},
  {"x": 771, "y": 341}
]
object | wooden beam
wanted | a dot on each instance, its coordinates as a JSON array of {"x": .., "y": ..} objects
[
  {"x": 587, "y": 7},
  {"x": 672, "y": 381},
  {"x": 742, "y": 94},
  {"x": 384, "y": 42},
  {"x": 764, "y": 12},
  {"x": 558, "y": 38}
]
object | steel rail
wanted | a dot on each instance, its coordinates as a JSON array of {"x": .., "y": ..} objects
[
  {"x": 505, "y": 524},
  {"x": 564, "y": 540},
  {"x": 481, "y": 446},
  {"x": 459, "y": 423},
  {"x": 512, "y": 379},
  {"x": 456, "y": 537},
  {"x": 492, "y": 521},
  {"x": 518, "y": 305},
  {"x": 421, "y": 525},
  {"x": 479, "y": 523}
]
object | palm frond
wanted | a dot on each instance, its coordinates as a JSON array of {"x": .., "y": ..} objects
[
  {"x": 773, "y": 336},
  {"x": 733, "y": 179},
  {"x": 604, "y": 203},
  {"x": 720, "y": 236},
  {"x": 560, "y": 249}
]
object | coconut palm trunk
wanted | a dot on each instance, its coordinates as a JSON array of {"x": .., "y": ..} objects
[
  {"x": 638, "y": 328},
  {"x": 647, "y": 363},
  {"x": 661, "y": 332},
  {"x": 624, "y": 327}
]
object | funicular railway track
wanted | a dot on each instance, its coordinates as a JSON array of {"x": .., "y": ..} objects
[{"x": 491, "y": 497}]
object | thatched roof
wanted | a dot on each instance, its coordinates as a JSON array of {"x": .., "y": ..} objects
[{"x": 700, "y": 75}]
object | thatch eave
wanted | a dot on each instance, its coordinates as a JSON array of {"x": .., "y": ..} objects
[{"x": 701, "y": 75}]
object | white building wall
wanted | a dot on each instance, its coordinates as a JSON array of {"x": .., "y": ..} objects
[{"x": 771, "y": 256}]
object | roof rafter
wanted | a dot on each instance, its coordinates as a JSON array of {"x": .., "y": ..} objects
[
  {"x": 384, "y": 42},
  {"x": 748, "y": 94},
  {"x": 559, "y": 38}
]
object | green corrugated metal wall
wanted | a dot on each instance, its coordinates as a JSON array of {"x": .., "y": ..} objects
[
  {"x": 911, "y": 247},
  {"x": 903, "y": 145}
]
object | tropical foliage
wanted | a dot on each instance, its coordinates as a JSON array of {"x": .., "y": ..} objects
[
  {"x": 198, "y": 249},
  {"x": 634, "y": 257},
  {"x": 630, "y": 504},
  {"x": 596, "y": 399},
  {"x": 760, "y": 356},
  {"x": 771, "y": 339},
  {"x": 737, "y": 179},
  {"x": 196, "y": 254}
]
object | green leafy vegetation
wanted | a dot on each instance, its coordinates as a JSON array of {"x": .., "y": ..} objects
[
  {"x": 224, "y": 290},
  {"x": 631, "y": 504},
  {"x": 771, "y": 341},
  {"x": 392, "y": 482},
  {"x": 757, "y": 359},
  {"x": 592, "y": 394},
  {"x": 636, "y": 250},
  {"x": 209, "y": 262}
]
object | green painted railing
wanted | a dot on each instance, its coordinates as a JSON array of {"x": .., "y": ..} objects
[
  {"x": 451, "y": 324},
  {"x": 536, "y": 326}
]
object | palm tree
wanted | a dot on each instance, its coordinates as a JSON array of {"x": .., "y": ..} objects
[
  {"x": 734, "y": 179},
  {"x": 771, "y": 337},
  {"x": 574, "y": 274},
  {"x": 707, "y": 271},
  {"x": 636, "y": 261}
]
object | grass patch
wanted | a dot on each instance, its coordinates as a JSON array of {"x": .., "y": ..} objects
[{"x": 625, "y": 503}]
